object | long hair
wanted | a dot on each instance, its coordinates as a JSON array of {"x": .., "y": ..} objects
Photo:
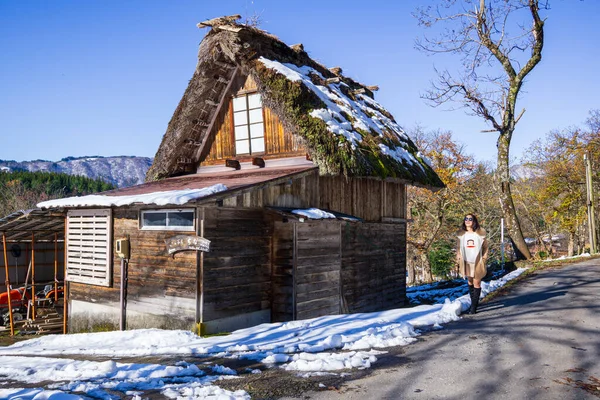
[{"x": 475, "y": 225}]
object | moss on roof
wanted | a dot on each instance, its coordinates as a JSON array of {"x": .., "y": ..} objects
[{"x": 345, "y": 130}]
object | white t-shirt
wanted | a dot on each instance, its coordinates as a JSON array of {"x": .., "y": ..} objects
[{"x": 471, "y": 246}]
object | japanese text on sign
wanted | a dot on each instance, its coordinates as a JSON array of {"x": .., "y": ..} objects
[{"x": 185, "y": 243}]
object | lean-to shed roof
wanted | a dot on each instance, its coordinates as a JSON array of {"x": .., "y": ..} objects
[{"x": 344, "y": 129}]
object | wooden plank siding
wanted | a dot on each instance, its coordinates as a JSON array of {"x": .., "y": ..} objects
[
  {"x": 282, "y": 275},
  {"x": 262, "y": 263},
  {"x": 373, "y": 266},
  {"x": 152, "y": 271},
  {"x": 317, "y": 269},
  {"x": 298, "y": 193},
  {"x": 368, "y": 199},
  {"x": 154, "y": 277},
  {"x": 237, "y": 270},
  {"x": 278, "y": 142}
]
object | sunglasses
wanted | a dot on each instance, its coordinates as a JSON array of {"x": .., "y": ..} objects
[{"x": 468, "y": 218}]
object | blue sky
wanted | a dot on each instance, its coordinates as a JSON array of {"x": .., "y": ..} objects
[{"x": 104, "y": 77}]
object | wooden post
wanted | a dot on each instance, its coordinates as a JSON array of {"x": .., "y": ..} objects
[
  {"x": 33, "y": 276},
  {"x": 55, "y": 267},
  {"x": 200, "y": 282},
  {"x": 294, "y": 268},
  {"x": 65, "y": 283},
  {"x": 26, "y": 280},
  {"x": 10, "y": 314},
  {"x": 123, "y": 295},
  {"x": 383, "y": 211}
]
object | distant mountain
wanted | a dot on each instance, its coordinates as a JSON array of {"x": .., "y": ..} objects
[
  {"x": 121, "y": 171},
  {"x": 523, "y": 172}
]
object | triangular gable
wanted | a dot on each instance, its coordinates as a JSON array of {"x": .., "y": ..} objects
[{"x": 345, "y": 130}]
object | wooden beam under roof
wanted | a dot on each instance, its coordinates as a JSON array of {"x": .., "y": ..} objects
[{"x": 19, "y": 225}]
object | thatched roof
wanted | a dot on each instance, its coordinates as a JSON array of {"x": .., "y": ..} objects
[{"x": 344, "y": 129}]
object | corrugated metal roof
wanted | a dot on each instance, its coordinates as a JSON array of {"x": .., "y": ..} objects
[{"x": 43, "y": 224}]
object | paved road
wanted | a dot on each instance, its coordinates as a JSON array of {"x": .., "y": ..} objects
[{"x": 540, "y": 341}]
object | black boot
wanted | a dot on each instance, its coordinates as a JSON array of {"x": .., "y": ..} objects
[
  {"x": 471, "y": 287},
  {"x": 475, "y": 300},
  {"x": 471, "y": 291}
]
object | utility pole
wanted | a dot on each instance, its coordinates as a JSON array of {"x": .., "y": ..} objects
[{"x": 590, "y": 203}]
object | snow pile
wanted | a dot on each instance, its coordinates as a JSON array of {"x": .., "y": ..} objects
[
  {"x": 174, "y": 197},
  {"x": 94, "y": 378},
  {"x": 311, "y": 347},
  {"x": 567, "y": 258}
]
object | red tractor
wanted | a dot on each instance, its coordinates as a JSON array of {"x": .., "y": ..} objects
[
  {"x": 20, "y": 299},
  {"x": 18, "y": 305}
]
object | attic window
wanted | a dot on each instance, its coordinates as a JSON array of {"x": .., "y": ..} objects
[{"x": 248, "y": 124}]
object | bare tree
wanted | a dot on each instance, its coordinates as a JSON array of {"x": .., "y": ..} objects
[{"x": 497, "y": 51}]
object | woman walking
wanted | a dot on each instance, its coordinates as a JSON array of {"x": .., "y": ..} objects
[{"x": 471, "y": 257}]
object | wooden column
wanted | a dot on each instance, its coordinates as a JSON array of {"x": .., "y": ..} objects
[
  {"x": 294, "y": 268},
  {"x": 33, "y": 276},
  {"x": 200, "y": 280},
  {"x": 65, "y": 283},
  {"x": 10, "y": 314},
  {"x": 123, "y": 296}
]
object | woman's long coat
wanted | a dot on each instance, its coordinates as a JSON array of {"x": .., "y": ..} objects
[{"x": 480, "y": 268}]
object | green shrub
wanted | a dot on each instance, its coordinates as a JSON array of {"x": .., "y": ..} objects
[{"x": 441, "y": 259}]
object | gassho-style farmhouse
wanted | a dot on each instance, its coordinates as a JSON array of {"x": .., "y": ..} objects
[{"x": 278, "y": 193}]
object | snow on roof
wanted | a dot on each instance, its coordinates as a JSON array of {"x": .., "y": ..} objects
[
  {"x": 314, "y": 213},
  {"x": 172, "y": 197},
  {"x": 366, "y": 114},
  {"x": 344, "y": 130}
]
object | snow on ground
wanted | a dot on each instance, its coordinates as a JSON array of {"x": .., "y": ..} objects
[
  {"x": 310, "y": 347},
  {"x": 567, "y": 258}
]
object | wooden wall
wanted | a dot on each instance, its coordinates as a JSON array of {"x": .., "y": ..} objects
[
  {"x": 282, "y": 277},
  {"x": 302, "y": 192},
  {"x": 327, "y": 267},
  {"x": 258, "y": 263},
  {"x": 278, "y": 142},
  {"x": 373, "y": 266},
  {"x": 306, "y": 270},
  {"x": 237, "y": 270},
  {"x": 369, "y": 199},
  {"x": 317, "y": 272},
  {"x": 152, "y": 273}
]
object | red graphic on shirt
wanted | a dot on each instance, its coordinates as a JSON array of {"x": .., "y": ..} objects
[{"x": 470, "y": 244}]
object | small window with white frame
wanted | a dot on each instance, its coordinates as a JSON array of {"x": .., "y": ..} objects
[
  {"x": 168, "y": 220},
  {"x": 248, "y": 124}
]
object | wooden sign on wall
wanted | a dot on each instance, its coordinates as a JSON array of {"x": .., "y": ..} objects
[{"x": 187, "y": 243}]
